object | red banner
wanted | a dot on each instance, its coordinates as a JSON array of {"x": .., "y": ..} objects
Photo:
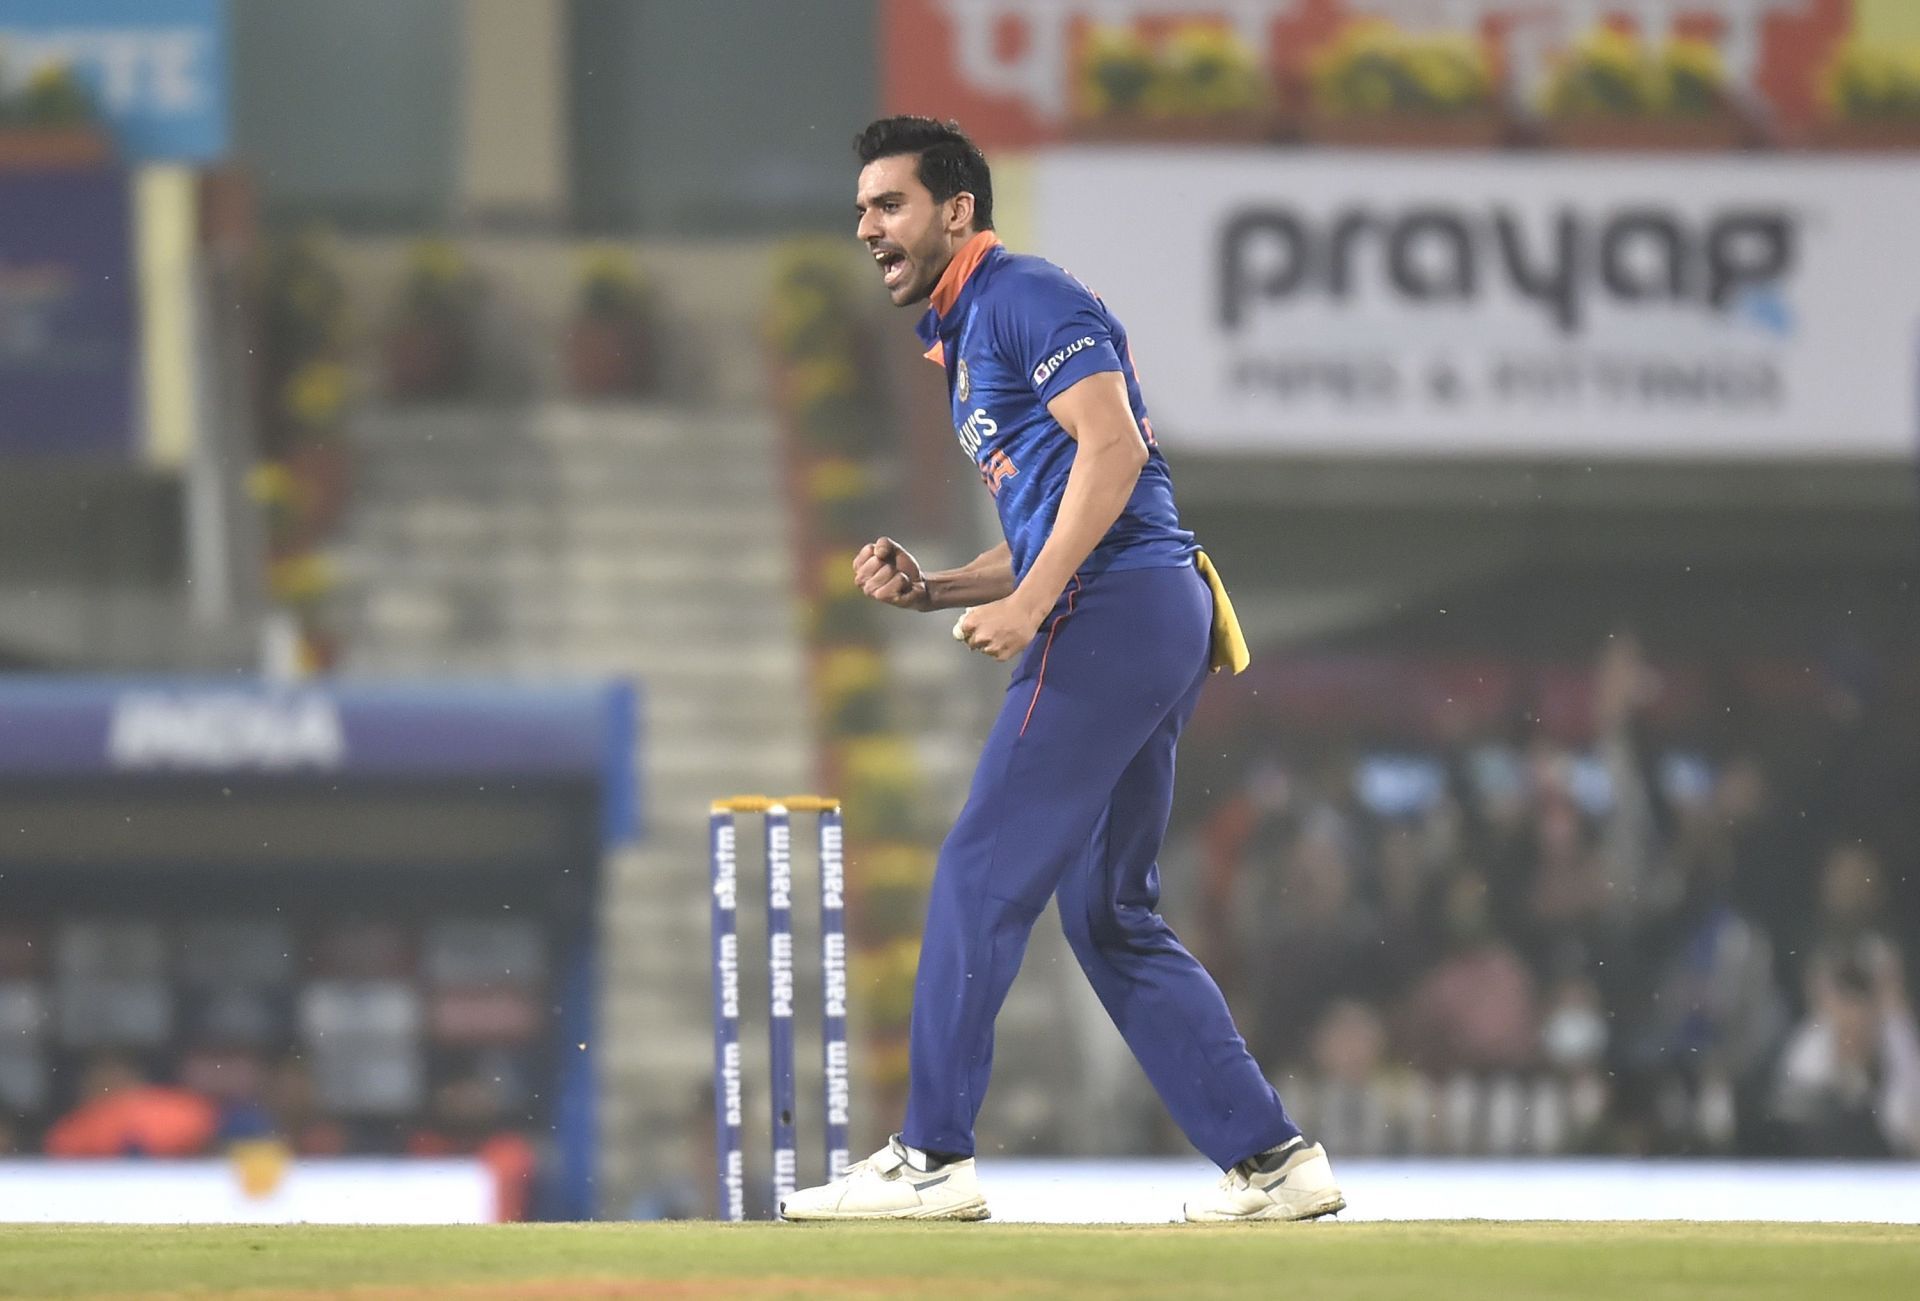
[{"x": 1016, "y": 72}]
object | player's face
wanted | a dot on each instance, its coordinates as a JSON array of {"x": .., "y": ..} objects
[{"x": 911, "y": 237}]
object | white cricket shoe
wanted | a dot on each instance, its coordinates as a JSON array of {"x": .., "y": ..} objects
[
  {"x": 1295, "y": 1183},
  {"x": 888, "y": 1186}
]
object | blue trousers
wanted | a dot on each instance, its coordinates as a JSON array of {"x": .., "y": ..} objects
[{"x": 1070, "y": 801}]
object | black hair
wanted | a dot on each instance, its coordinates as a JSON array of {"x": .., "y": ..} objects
[{"x": 948, "y": 163}]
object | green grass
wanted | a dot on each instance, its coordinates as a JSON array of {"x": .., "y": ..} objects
[{"x": 1324, "y": 1262}]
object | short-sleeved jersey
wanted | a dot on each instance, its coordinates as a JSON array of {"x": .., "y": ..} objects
[{"x": 1014, "y": 332}]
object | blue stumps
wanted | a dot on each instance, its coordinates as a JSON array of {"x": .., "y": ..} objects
[
  {"x": 730, "y": 1187},
  {"x": 786, "y": 1165},
  {"x": 837, "y": 1095}
]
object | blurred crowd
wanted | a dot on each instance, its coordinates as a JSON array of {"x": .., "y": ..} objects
[
  {"x": 342, "y": 1036},
  {"x": 1629, "y": 936},
  {"x": 120, "y": 1111}
]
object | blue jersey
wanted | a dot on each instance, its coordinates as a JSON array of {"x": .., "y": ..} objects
[{"x": 1014, "y": 333}]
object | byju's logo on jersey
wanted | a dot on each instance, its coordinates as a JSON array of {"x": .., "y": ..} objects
[
  {"x": 1044, "y": 371},
  {"x": 979, "y": 427},
  {"x": 962, "y": 381}
]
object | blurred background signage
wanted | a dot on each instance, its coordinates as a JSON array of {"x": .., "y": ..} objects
[
  {"x": 68, "y": 338},
  {"x": 1474, "y": 305},
  {"x": 156, "y": 69},
  {"x": 1026, "y": 72}
]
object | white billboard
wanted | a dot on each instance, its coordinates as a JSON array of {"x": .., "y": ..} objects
[
  {"x": 342, "y": 1191},
  {"x": 1519, "y": 304}
]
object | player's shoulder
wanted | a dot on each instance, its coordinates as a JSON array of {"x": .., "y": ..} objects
[{"x": 1022, "y": 278}]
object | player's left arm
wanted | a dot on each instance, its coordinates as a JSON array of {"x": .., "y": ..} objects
[{"x": 1096, "y": 414}]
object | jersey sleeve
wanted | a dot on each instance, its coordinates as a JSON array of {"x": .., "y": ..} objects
[{"x": 1055, "y": 331}]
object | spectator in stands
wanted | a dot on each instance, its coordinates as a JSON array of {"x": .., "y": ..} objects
[
  {"x": 1850, "y": 925},
  {"x": 294, "y": 1110},
  {"x": 1318, "y": 938},
  {"x": 1410, "y": 866},
  {"x": 1474, "y": 1011},
  {"x": 1573, "y": 1028},
  {"x": 1500, "y": 829},
  {"x": 1725, "y": 835},
  {"x": 1849, "y": 1082},
  {"x": 1713, "y": 1021},
  {"x": 1572, "y": 889},
  {"x": 1770, "y": 882},
  {"x": 1247, "y": 823},
  {"x": 119, "y": 1113},
  {"x": 1574, "y": 1038},
  {"x": 1352, "y": 1097},
  {"x": 465, "y": 1120}
]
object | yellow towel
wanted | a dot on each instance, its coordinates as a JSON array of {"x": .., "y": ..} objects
[{"x": 1229, "y": 643}]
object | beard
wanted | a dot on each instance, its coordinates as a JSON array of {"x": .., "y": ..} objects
[{"x": 922, "y": 266}]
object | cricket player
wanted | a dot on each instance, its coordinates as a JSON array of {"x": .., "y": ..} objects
[{"x": 1113, "y": 619}]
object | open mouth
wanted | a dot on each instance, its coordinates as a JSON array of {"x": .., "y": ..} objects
[{"x": 893, "y": 266}]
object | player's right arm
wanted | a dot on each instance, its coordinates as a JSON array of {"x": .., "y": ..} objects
[{"x": 887, "y": 571}]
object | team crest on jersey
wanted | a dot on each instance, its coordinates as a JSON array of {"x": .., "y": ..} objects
[{"x": 962, "y": 382}]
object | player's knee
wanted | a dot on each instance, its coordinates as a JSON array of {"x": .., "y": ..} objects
[
  {"x": 1102, "y": 929},
  {"x": 1073, "y": 923}
]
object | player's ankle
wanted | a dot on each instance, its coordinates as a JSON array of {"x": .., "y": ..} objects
[
  {"x": 1273, "y": 1157},
  {"x": 928, "y": 1161}
]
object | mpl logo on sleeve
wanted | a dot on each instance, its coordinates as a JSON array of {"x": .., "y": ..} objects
[{"x": 214, "y": 730}]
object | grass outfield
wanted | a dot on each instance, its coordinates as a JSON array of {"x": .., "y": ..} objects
[{"x": 1325, "y": 1262}]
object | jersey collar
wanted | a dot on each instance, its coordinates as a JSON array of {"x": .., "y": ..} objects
[{"x": 946, "y": 294}]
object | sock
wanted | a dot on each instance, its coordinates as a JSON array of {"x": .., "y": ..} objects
[
  {"x": 928, "y": 1162},
  {"x": 1274, "y": 1157}
]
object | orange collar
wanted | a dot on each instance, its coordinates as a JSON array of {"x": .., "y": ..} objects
[{"x": 964, "y": 264}]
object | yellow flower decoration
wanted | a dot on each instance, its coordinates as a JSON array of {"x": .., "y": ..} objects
[
  {"x": 836, "y": 574},
  {"x": 1612, "y": 73},
  {"x": 884, "y": 978},
  {"x": 1373, "y": 68},
  {"x": 608, "y": 264},
  {"x": 317, "y": 392},
  {"x": 1116, "y": 71},
  {"x": 1207, "y": 68},
  {"x": 301, "y": 580},
  {"x": 884, "y": 762},
  {"x": 849, "y": 669},
  {"x": 838, "y": 479},
  {"x": 894, "y": 865},
  {"x": 270, "y": 484},
  {"x": 1864, "y": 82},
  {"x": 436, "y": 260},
  {"x": 819, "y": 378}
]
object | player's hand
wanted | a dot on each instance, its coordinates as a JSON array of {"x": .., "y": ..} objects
[
  {"x": 1001, "y": 628},
  {"x": 887, "y": 571}
]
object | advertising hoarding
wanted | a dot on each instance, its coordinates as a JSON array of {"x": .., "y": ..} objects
[
  {"x": 68, "y": 339},
  {"x": 156, "y": 69},
  {"x": 1018, "y": 73},
  {"x": 1503, "y": 305},
  {"x": 346, "y": 1191}
]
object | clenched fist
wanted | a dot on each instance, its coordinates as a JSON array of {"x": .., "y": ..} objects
[
  {"x": 1000, "y": 629},
  {"x": 887, "y": 571}
]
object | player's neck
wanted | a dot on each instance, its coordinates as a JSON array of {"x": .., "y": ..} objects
[{"x": 966, "y": 257}]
